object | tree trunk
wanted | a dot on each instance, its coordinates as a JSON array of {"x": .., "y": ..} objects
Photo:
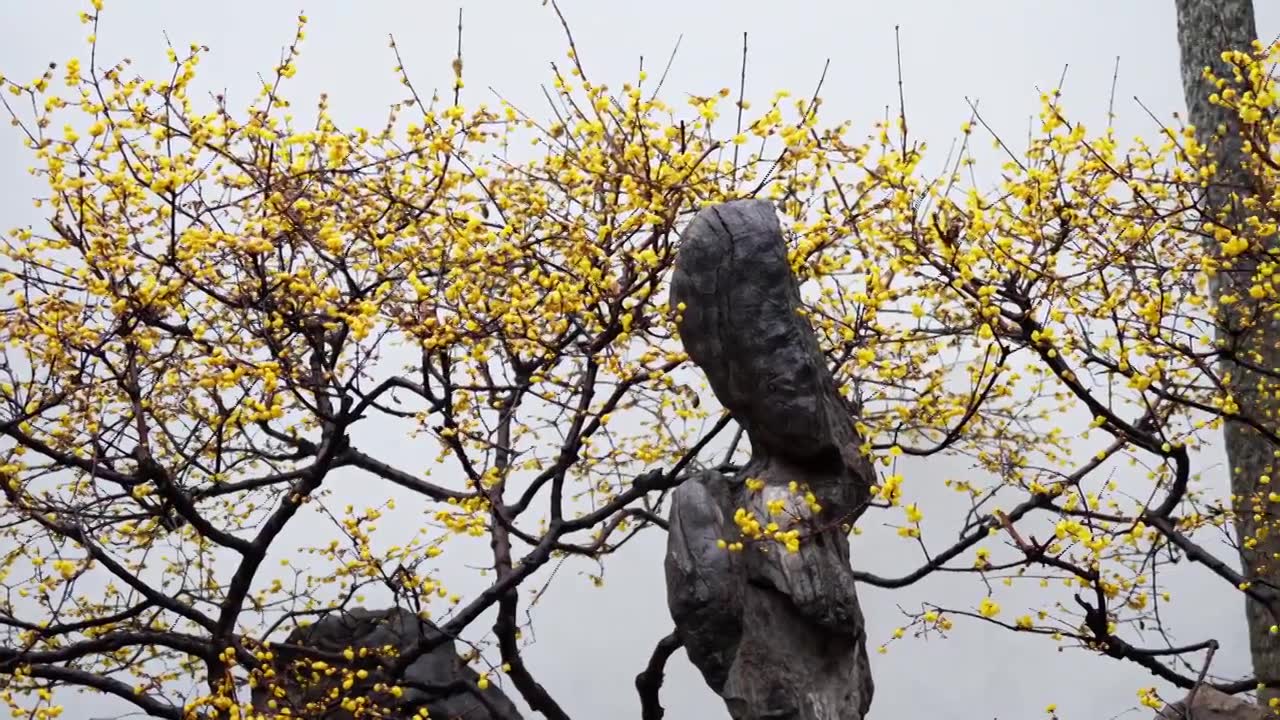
[{"x": 1205, "y": 29}]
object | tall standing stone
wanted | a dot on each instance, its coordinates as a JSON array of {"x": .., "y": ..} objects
[{"x": 778, "y": 634}]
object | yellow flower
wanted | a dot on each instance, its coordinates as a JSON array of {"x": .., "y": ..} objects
[{"x": 988, "y": 608}]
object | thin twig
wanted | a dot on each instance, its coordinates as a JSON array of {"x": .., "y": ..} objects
[
  {"x": 813, "y": 104},
  {"x": 1204, "y": 670},
  {"x": 902, "y": 102},
  {"x": 670, "y": 61},
  {"x": 1111, "y": 102},
  {"x": 742, "y": 89}
]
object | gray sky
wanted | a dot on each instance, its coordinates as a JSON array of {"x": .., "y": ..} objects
[{"x": 591, "y": 642}]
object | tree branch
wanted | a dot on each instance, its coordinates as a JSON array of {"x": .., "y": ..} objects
[{"x": 649, "y": 682}]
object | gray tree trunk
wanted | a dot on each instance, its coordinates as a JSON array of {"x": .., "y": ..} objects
[{"x": 1205, "y": 29}]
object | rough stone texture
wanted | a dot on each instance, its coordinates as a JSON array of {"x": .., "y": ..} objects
[
  {"x": 1210, "y": 704},
  {"x": 1205, "y": 29},
  {"x": 778, "y": 635},
  {"x": 440, "y": 680}
]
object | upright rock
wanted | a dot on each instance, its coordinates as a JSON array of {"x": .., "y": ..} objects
[
  {"x": 775, "y": 631},
  {"x": 438, "y": 681}
]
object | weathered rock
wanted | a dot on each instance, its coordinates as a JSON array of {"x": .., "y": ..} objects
[
  {"x": 1210, "y": 704},
  {"x": 778, "y": 634},
  {"x": 439, "y": 680}
]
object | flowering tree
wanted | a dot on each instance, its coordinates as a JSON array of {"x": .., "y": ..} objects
[{"x": 224, "y": 298}]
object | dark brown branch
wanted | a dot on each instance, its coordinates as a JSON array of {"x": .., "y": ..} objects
[
  {"x": 148, "y": 704},
  {"x": 44, "y": 631},
  {"x": 229, "y": 610},
  {"x": 77, "y": 534},
  {"x": 1264, "y": 595},
  {"x": 531, "y": 690},
  {"x": 1212, "y": 647},
  {"x": 649, "y": 682},
  {"x": 108, "y": 643},
  {"x": 372, "y": 465},
  {"x": 469, "y": 612},
  {"x": 975, "y": 536}
]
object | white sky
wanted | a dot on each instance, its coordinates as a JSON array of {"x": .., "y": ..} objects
[{"x": 591, "y": 642}]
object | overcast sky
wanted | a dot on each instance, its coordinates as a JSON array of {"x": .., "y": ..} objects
[{"x": 591, "y": 642}]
